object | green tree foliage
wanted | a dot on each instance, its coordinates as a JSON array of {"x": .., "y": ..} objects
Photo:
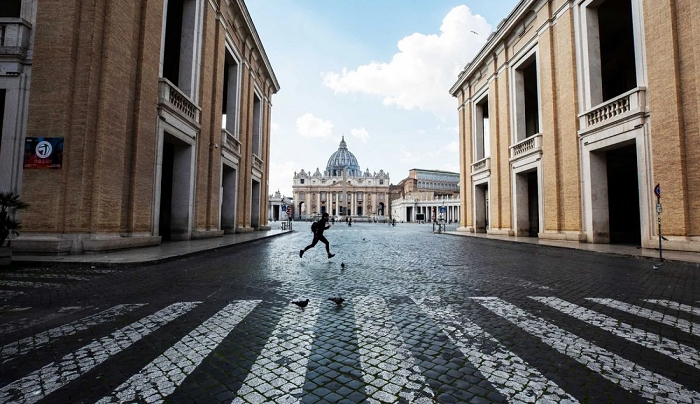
[{"x": 9, "y": 205}]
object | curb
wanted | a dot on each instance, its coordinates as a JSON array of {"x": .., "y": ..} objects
[
  {"x": 621, "y": 254},
  {"x": 146, "y": 262}
]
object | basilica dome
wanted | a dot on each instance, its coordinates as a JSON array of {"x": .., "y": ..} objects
[{"x": 343, "y": 158}]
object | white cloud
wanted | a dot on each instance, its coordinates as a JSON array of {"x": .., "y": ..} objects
[
  {"x": 360, "y": 133},
  {"x": 310, "y": 126},
  {"x": 424, "y": 69}
]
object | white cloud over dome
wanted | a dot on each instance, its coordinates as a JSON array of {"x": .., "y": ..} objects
[
  {"x": 426, "y": 66},
  {"x": 361, "y": 134},
  {"x": 310, "y": 126}
]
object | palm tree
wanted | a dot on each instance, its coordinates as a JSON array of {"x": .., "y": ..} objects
[{"x": 9, "y": 204}]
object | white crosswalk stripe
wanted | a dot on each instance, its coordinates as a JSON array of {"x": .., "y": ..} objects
[
  {"x": 26, "y": 323},
  {"x": 50, "y": 378},
  {"x": 675, "y": 322},
  {"x": 649, "y": 340},
  {"x": 15, "y": 349},
  {"x": 384, "y": 359},
  {"x": 508, "y": 373},
  {"x": 25, "y": 284},
  {"x": 389, "y": 369},
  {"x": 9, "y": 309},
  {"x": 9, "y": 294},
  {"x": 613, "y": 367},
  {"x": 161, "y": 377},
  {"x": 45, "y": 276},
  {"x": 278, "y": 373},
  {"x": 677, "y": 306}
]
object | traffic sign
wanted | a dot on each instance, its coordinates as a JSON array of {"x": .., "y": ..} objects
[
  {"x": 289, "y": 209},
  {"x": 657, "y": 190},
  {"x": 443, "y": 209}
]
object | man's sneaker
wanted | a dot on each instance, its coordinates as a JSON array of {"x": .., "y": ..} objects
[
  {"x": 331, "y": 256},
  {"x": 301, "y": 252}
]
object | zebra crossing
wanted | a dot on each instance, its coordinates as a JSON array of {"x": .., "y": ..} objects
[
  {"x": 13, "y": 284},
  {"x": 387, "y": 358}
]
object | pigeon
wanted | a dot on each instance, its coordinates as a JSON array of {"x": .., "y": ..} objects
[
  {"x": 302, "y": 303},
  {"x": 337, "y": 300},
  {"x": 342, "y": 265}
]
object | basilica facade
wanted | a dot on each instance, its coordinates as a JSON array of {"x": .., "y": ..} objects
[{"x": 342, "y": 190}]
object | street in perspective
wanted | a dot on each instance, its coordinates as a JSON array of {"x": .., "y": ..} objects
[
  {"x": 400, "y": 314},
  {"x": 359, "y": 201}
]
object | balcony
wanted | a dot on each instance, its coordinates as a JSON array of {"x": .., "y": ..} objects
[
  {"x": 230, "y": 142},
  {"x": 15, "y": 34},
  {"x": 257, "y": 163},
  {"x": 481, "y": 165},
  {"x": 170, "y": 97},
  {"x": 614, "y": 111},
  {"x": 526, "y": 147}
]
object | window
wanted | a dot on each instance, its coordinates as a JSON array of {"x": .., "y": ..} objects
[
  {"x": 481, "y": 129},
  {"x": 381, "y": 182},
  {"x": 257, "y": 125},
  {"x": 182, "y": 38},
  {"x": 10, "y": 8},
  {"x": 301, "y": 181},
  {"x": 526, "y": 98},
  {"x": 323, "y": 196},
  {"x": 611, "y": 51},
  {"x": 229, "y": 106}
]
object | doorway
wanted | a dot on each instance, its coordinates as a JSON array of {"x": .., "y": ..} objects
[
  {"x": 175, "y": 189},
  {"x": 623, "y": 196},
  {"x": 228, "y": 199},
  {"x": 255, "y": 205},
  {"x": 481, "y": 208}
]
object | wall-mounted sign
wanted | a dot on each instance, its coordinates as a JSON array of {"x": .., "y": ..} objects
[{"x": 43, "y": 152}]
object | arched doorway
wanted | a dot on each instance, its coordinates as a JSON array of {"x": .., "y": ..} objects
[
  {"x": 301, "y": 209},
  {"x": 380, "y": 211}
]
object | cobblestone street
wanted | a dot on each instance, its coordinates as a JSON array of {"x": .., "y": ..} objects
[{"x": 425, "y": 318}]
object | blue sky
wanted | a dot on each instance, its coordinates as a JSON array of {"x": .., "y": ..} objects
[{"x": 376, "y": 71}]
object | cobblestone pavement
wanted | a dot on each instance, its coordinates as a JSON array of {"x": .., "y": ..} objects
[{"x": 425, "y": 318}]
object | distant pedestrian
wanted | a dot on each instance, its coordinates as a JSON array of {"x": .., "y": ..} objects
[{"x": 318, "y": 228}]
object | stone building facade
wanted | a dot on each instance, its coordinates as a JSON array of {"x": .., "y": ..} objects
[
  {"x": 573, "y": 112},
  {"x": 424, "y": 194},
  {"x": 162, "y": 110},
  {"x": 278, "y": 205},
  {"x": 342, "y": 190}
]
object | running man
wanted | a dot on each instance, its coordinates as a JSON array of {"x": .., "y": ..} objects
[{"x": 318, "y": 229}]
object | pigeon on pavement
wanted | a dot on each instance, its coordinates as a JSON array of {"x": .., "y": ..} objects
[
  {"x": 337, "y": 300},
  {"x": 302, "y": 303},
  {"x": 342, "y": 265}
]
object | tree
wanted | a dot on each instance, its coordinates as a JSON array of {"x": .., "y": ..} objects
[{"x": 9, "y": 205}]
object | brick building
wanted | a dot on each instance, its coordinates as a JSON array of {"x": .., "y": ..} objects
[
  {"x": 157, "y": 113},
  {"x": 571, "y": 114}
]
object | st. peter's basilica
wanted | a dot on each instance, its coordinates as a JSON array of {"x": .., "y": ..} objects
[{"x": 341, "y": 190}]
